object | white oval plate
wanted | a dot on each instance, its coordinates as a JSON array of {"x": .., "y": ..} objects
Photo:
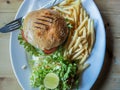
[{"x": 96, "y": 59}]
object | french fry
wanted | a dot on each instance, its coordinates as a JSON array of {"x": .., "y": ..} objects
[
  {"x": 70, "y": 51},
  {"x": 80, "y": 69},
  {"x": 75, "y": 17},
  {"x": 80, "y": 46},
  {"x": 81, "y": 31},
  {"x": 77, "y": 43},
  {"x": 77, "y": 50},
  {"x": 77, "y": 54},
  {"x": 61, "y": 10},
  {"x": 84, "y": 33},
  {"x": 67, "y": 7},
  {"x": 86, "y": 65},
  {"x": 65, "y": 2},
  {"x": 84, "y": 41},
  {"x": 85, "y": 14},
  {"x": 92, "y": 35},
  {"x": 83, "y": 23},
  {"x": 86, "y": 47},
  {"x": 73, "y": 39},
  {"x": 79, "y": 57},
  {"x": 89, "y": 26},
  {"x": 65, "y": 53},
  {"x": 77, "y": 8},
  {"x": 83, "y": 59},
  {"x": 81, "y": 15}
]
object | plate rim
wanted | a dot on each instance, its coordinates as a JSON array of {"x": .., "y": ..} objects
[{"x": 11, "y": 59}]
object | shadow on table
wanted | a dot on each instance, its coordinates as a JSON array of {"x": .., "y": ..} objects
[{"x": 108, "y": 60}]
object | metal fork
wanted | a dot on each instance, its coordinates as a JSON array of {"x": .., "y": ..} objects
[{"x": 14, "y": 25}]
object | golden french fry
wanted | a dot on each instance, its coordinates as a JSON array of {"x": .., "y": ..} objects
[
  {"x": 84, "y": 41},
  {"x": 61, "y": 10},
  {"x": 81, "y": 31},
  {"x": 79, "y": 57},
  {"x": 81, "y": 15},
  {"x": 86, "y": 47},
  {"x": 80, "y": 68},
  {"x": 92, "y": 35},
  {"x": 77, "y": 50},
  {"x": 73, "y": 39},
  {"x": 83, "y": 23},
  {"x": 86, "y": 65},
  {"x": 84, "y": 33},
  {"x": 75, "y": 16},
  {"x": 65, "y": 2},
  {"x": 70, "y": 51},
  {"x": 77, "y": 43},
  {"x": 80, "y": 46},
  {"x": 84, "y": 59},
  {"x": 77, "y": 8},
  {"x": 89, "y": 27},
  {"x": 65, "y": 53},
  {"x": 77, "y": 54},
  {"x": 67, "y": 7},
  {"x": 85, "y": 14}
]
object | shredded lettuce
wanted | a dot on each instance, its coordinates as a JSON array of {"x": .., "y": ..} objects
[
  {"x": 64, "y": 69},
  {"x": 54, "y": 63},
  {"x": 29, "y": 48}
]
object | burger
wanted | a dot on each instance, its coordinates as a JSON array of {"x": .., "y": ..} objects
[{"x": 45, "y": 29}]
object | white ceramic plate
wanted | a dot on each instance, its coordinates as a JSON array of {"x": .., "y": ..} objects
[{"x": 96, "y": 59}]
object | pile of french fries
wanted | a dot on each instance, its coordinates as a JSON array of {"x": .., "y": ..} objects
[{"x": 81, "y": 36}]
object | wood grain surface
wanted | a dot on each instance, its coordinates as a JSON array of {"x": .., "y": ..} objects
[{"x": 109, "y": 78}]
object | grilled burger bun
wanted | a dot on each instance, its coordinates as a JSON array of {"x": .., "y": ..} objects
[{"x": 45, "y": 29}]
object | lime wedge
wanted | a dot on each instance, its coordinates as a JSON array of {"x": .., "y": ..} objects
[{"x": 51, "y": 81}]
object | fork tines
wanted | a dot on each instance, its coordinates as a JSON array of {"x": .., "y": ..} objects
[{"x": 14, "y": 25}]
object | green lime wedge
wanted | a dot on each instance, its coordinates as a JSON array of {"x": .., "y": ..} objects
[{"x": 51, "y": 81}]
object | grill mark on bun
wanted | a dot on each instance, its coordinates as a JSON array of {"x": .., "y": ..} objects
[
  {"x": 38, "y": 27},
  {"x": 49, "y": 17},
  {"x": 46, "y": 27},
  {"x": 50, "y": 21},
  {"x": 40, "y": 23}
]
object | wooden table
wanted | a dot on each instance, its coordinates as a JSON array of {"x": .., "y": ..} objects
[{"x": 109, "y": 78}]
